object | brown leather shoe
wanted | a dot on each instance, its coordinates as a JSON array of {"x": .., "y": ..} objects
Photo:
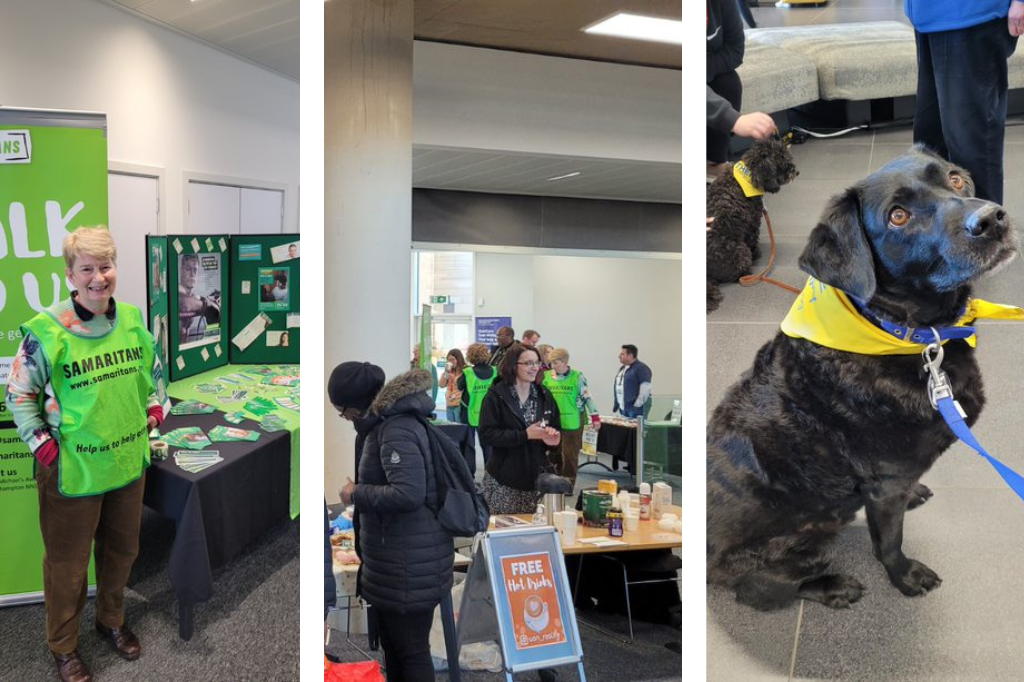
[
  {"x": 71, "y": 668},
  {"x": 124, "y": 641}
]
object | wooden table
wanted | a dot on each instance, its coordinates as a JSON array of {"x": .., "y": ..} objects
[{"x": 647, "y": 536}]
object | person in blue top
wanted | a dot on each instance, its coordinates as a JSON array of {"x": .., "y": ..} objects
[{"x": 962, "y": 48}]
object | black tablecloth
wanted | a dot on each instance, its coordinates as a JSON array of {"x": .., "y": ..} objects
[
  {"x": 620, "y": 443},
  {"x": 220, "y": 509}
]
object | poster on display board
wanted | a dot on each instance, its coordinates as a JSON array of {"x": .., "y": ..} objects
[
  {"x": 198, "y": 296},
  {"x": 517, "y": 593},
  {"x": 487, "y": 329},
  {"x": 53, "y": 180},
  {"x": 264, "y": 324}
]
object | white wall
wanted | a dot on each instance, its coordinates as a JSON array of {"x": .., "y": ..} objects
[
  {"x": 171, "y": 102},
  {"x": 505, "y": 283},
  {"x": 493, "y": 99},
  {"x": 592, "y": 306}
]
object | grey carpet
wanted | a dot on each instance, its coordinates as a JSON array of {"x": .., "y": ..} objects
[{"x": 248, "y": 630}]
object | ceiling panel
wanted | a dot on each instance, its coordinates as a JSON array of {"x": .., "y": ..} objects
[{"x": 480, "y": 170}]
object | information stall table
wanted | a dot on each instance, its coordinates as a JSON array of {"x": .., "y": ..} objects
[
  {"x": 648, "y": 536},
  {"x": 618, "y": 439},
  {"x": 219, "y": 510}
]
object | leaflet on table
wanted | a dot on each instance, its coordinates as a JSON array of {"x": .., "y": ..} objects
[
  {"x": 187, "y": 437},
  {"x": 251, "y": 331},
  {"x": 281, "y": 380},
  {"x": 222, "y": 434},
  {"x": 272, "y": 424},
  {"x": 235, "y": 417},
  {"x": 194, "y": 461},
  {"x": 192, "y": 407}
]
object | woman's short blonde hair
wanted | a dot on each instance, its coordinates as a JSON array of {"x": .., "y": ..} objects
[
  {"x": 477, "y": 353},
  {"x": 89, "y": 241},
  {"x": 557, "y": 354},
  {"x": 543, "y": 350}
]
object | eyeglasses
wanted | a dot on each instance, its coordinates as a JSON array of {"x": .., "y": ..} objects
[{"x": 531, "y": 363}]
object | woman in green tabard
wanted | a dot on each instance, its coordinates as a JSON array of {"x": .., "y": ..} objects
[
  {"x": 569, "y": 388},
  {"x": 85, "y": 389}
]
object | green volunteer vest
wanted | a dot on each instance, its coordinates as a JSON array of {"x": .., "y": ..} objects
[
  {"x": 477, "y": 388},
  {"x": 102, "y": 385},
  {"x": 565, "y": 392}
]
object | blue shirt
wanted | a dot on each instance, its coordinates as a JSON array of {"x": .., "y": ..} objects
[{"x": 931, "y": 16}]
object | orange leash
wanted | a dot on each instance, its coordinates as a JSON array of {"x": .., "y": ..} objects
[{"x": 751, "y": 280}]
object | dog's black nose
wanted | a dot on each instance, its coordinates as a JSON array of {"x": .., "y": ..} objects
[{"x": 984, "y": 219}]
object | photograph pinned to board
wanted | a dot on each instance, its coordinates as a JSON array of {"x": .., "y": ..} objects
[
  {"x": 278, "y": 339},
  {"x": 283, "y": 252},
  {"x": 292, "y": 321},
  {"x": 273, "y": 283},
  {"x": 158, "y": 277},
  {"x": 199, "y": 296}
]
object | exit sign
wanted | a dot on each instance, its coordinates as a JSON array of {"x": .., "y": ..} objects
[{"x": 439, "y": 299}]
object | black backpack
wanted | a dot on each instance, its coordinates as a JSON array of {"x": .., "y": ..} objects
[{"x": 461, "y": 508}]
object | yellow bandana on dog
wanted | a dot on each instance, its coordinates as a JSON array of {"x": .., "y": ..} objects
[
  {"x": 825, "y": 315},
  {"x": 742, "y": 175}
]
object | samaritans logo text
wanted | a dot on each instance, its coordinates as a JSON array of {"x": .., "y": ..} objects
[
  {"x": 104, "y": 361},
  {"x": 15, "y": 146}
]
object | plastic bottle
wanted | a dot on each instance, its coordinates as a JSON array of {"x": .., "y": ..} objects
[
  {"x": 645, "y": 501},
  {"x": 615, "y": 522}
]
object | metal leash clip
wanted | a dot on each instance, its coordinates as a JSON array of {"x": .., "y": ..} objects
[{"x": 938, "y": 382}]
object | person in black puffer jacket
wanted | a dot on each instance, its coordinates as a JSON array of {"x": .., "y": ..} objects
[
  {"x": 407, "y": 556},
  {"x": 519, "y": 420}
]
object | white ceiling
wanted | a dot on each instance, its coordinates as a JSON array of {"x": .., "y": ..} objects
[
  {"x": 478, "y": 170},
  {"x": 263, "y": 32},
  {"x": 266, "y": 33}
]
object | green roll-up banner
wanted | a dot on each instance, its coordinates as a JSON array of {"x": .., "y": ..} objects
[{"x": 53, "y": 180}]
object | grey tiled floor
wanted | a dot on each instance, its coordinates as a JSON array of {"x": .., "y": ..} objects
[{"x": 971, "y": 533}]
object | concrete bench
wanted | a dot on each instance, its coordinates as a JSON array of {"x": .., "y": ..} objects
[
  {"x": 775, "y": 80},
  {"x": 858, "y": 61}
]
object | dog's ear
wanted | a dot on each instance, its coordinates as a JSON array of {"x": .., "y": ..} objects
[{"x": 838, "y": 253}]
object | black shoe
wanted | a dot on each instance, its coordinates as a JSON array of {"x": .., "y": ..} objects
[
  {"x": 71, "y": 668},
  {"x": 122, "y": 640},
  {"x": 547, "y": 675}
]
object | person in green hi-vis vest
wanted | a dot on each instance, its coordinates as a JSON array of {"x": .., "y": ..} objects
[
  {"x": 569, "y": 388},
  {"x": 86, "y": 387},
  {"x": 474, "y": 384}
]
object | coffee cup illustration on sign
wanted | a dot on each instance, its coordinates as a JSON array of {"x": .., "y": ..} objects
[{"x": 535, "y": 613}]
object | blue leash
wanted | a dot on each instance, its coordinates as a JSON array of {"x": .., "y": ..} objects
[{"x": 941, "y": 395}]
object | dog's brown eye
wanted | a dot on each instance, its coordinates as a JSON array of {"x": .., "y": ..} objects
[
  {"x": 899, "y": 216},
  {"x": 956, "y": 181}
]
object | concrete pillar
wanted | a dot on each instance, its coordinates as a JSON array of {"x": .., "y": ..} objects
[{"x": 367, "y": 199}]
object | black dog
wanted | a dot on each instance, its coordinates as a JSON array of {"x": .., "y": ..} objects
[
  {"x": 811, "y": 434},
  {"x": 733, "y": 240}
]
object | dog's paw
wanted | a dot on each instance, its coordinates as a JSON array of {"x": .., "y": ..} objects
[
  {"x": 765, "y": 594},
  {"x": 836, "y": 590},
  {"x": 918, "y": 496},
  {"x": 914, "y": 578}
]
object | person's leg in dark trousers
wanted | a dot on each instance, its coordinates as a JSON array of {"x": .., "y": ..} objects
[
  {"x": 927, "y": 112},
  {"x": 405, "y": 638},
  {"x": 68, "y": 525},
  {"x": 970, "y": 75},
  {"x": 117, "y": 545},
  {"x": 727, "y": 85}
]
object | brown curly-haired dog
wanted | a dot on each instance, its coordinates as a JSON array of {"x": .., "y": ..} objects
[{"x": 732, "y": 242}]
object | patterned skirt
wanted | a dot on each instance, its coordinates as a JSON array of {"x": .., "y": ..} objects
[{"x": 505, "y": 500}]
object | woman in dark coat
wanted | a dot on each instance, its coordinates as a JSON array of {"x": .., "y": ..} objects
[
  {"x": 406, "y": 554},
  {"x": 520, "y": 421}
]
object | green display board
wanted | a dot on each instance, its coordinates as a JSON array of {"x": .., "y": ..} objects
[
  {"x": 157, "y": 314},
  {"x": 264, "y": 319},
  {"x": 53, "y": 180},
  {"x": 198, "y": 293}
]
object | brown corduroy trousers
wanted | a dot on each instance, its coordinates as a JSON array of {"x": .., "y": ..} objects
[{"x": 69, "y": 525}]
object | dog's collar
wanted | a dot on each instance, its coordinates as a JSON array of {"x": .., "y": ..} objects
[
  {"x": 742, "y": 175},
  {"x": 828, "y": 317}
]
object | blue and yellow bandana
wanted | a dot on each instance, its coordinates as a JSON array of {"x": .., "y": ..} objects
[
  {"x": 826, "y": 316},
  {"x": 742, "y": 175}
]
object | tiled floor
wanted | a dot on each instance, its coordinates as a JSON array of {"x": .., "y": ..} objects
[{"x": 971, "y": 533}]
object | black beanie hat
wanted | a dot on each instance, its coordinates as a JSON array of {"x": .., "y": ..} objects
[{"x": 354, "y": 384}]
